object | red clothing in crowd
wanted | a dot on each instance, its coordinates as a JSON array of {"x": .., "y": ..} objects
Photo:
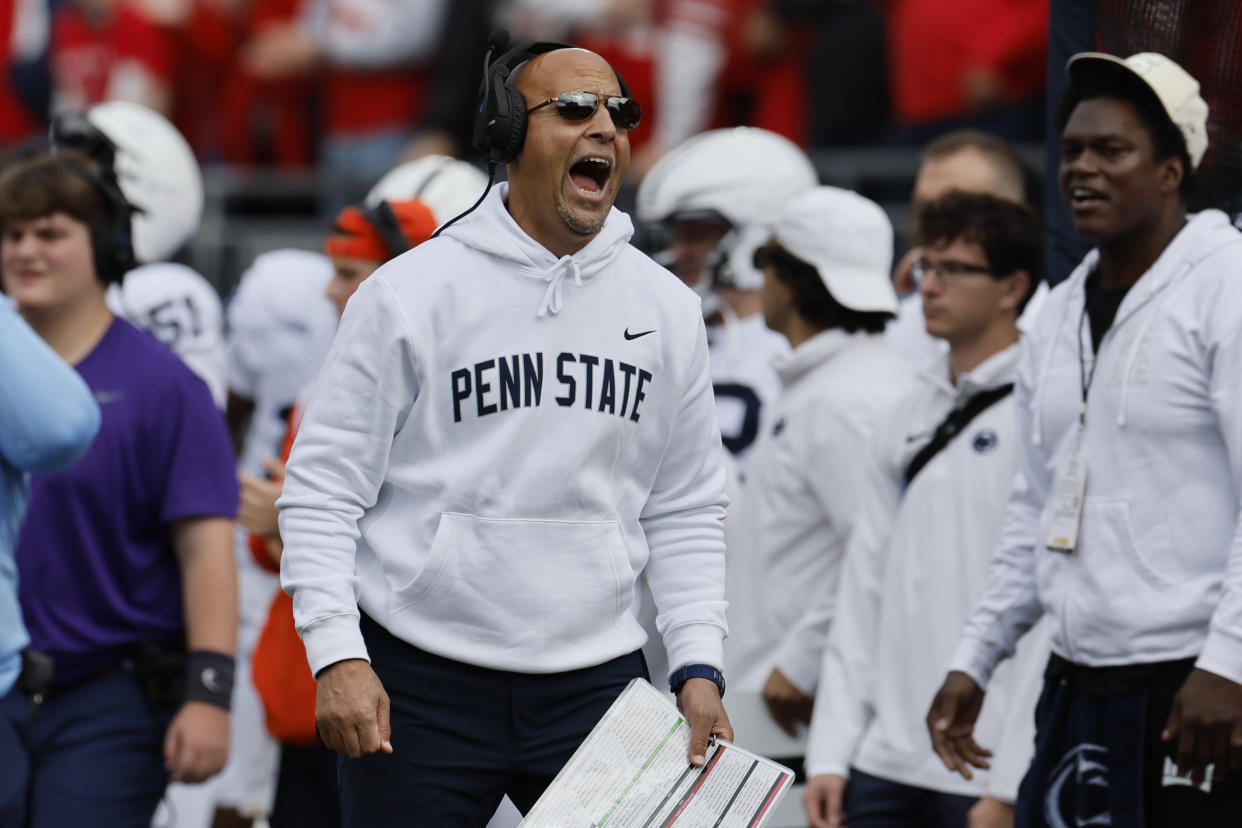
[
  {"x": 933, "y": 44},
  {"x": 281, "y": 674},
  {"x": 87, "y": 49},
  {"x": 763, "y": 91},
  {"x": 17, "y": 122},
  {"x": 225, "y": 112}
]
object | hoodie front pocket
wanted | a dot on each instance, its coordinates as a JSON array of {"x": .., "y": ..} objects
[
  {"x": 1149, "y": 556},
  {"x": 520, "y": 580}
]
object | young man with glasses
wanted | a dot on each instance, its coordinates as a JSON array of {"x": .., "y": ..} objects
[
  {"x": 1123, "y": 525},
  {"x": 826, "y": 289},
  {"x": 515, "y": 422},
  {"x": 929, "y": 512}
]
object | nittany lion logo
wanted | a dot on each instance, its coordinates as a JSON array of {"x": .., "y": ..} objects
[
  {"x": 985, "y": 441},
  {"x": 1077, "y": 795}
]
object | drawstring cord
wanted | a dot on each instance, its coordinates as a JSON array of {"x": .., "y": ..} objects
[{"x": 551, "y": 304}]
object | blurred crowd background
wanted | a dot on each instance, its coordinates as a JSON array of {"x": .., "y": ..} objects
[{"x": 295, "y": 107}]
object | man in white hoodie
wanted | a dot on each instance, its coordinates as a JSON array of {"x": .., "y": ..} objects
[
  {"x": 1123, "y": 525},
  {"x": 826, "y": 288},
  {"x": 935, "y": 472},
  {"x": 514, "y": 422}
]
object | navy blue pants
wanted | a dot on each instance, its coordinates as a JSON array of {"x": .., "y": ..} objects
[
  {"x": 1099, "y": 759},
  {"x": 92, "y": 757},
  {"x": 463, "y": 737},
  {"x": 872, "y": 802},
  {"x": 306, "y": 789}
]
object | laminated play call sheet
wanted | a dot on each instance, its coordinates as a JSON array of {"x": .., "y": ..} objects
[{"x": 633, "y": 771}]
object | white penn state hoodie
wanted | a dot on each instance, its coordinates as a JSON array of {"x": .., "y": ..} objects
[
  {"x": 1158, "y": 571},
  {"x": 500, "y": 442}
]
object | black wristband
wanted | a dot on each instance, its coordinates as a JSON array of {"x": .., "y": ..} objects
[
  {"x": 681, "y": 676},
  {"x": 209, "y": 678}
]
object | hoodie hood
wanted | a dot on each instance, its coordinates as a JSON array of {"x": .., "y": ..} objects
[{"x": 492, "y": 230}]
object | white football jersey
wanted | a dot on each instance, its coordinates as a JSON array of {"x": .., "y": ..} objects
[
  {"x": 743, "y": 353},
  {"x": 180, "y": 308},
  {"x": 281, "y": 324}
]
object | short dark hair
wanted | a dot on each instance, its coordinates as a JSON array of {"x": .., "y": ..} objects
[
  {"x": 812, "y": 300},
  {"x": 1107, "y": 80},
  {"x": 1008, "y": 232},
  {"x": 50, "y": 183},
  {"x": 1005, "y": 158}
]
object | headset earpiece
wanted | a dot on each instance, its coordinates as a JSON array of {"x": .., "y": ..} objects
[
  {"x": 112, "y": 242},
  {"x": 500, "y": 123},
  {"x": 385, "y": 221}
]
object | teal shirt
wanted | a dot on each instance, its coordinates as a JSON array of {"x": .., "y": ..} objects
[{"x": 47, "y": 420}]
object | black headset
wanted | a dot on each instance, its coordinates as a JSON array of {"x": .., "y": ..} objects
[
  {"x": 384, "y": 219},
  {"x": 500, "y": 119},
  {"x": 112, "y": 241},
  {"x": 500, "y": 122}
]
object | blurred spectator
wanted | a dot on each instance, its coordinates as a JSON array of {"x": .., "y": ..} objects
[
  {"x": 712, "y": 59},
  {"x": 967, "y": 63},
  {"x": 111, "y": 50},
  {"x": 25, "y": 84},
  {"x": 622, "y": 32},
  {"x": 47, "y": 420},
  {"x": 974, "y": 162},
  {"x": 228, "y": 113},
  {"x": 376, "y": 58}
]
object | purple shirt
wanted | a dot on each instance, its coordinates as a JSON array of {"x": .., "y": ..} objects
[{"x": 95, "y": 556}]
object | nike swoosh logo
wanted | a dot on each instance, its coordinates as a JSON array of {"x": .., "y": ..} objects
[{"x": 629, "y": 335}]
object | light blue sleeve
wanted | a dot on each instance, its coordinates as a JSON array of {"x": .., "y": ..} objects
[{"x": 48, "y": 416}]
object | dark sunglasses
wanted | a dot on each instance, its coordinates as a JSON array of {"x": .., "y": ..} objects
[{"x": 577, "y": 107}]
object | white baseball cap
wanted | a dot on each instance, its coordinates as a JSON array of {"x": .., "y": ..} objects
[
  {"x": 848, "y": 239},
  {"x": 1176, "y": 90}
]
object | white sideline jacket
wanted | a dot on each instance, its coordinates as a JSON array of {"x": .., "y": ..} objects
[
  {"x": 797, "y": 503},
  {"x": 915, "y": 565},
  {"x": 179, "y": 307},
  {"x": 499, "y": 443},
  {"x": 1158, "y": 571},
  {"x": 743, "y": 354}
]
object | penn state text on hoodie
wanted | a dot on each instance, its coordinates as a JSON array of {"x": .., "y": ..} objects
[{"x": 500, "y": 442}]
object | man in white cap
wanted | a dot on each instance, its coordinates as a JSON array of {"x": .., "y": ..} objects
[
  {"x": 1124, "y": 523},
  {"x": 937, "y": 470},
  {"x": 826, "y": 288}
]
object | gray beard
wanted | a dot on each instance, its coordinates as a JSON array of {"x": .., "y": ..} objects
[{"x": 587, "y": 227}]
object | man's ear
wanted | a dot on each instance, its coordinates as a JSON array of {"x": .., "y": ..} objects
[
  {"x": 1017, "y": 284},
  {"x": 1171, "y": 174}
]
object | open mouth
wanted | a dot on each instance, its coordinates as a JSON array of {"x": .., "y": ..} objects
[
  {"x": 1082, "y": 198},
  {"x": 590, "y": 175}
]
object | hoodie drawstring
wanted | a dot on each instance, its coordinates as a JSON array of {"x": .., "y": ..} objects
[
  {"x": 1178, "y": 280},
  {"x": 1037, "y": 411},
  {"x": 555, "y": 277}
]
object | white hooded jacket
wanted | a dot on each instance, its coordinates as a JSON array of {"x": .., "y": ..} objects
[
  {"x": 797, "y": 504},
  {"x": 1157, "y": 574},
  {"x": 916, "y": 563},
  {"x": 499, "y": 443}
]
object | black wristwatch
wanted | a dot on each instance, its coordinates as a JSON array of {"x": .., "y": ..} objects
[{"x": 681, "y": 676}]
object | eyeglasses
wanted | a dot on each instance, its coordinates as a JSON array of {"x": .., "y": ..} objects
[
  {"x": 577, "y": 107},
  {"x": 948, "y": 269}
]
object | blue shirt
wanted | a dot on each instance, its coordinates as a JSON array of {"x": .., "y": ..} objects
[
  {"x": 99, "y": 572},
  {"x": 47, "y": 419}
]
